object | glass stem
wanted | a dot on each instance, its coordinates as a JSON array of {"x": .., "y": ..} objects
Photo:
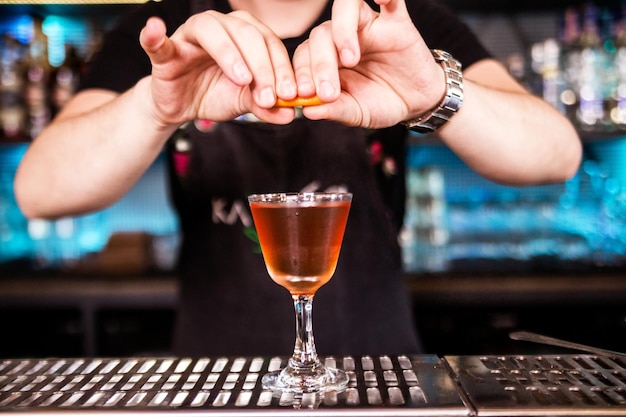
[{"x": 304, "y": 353}]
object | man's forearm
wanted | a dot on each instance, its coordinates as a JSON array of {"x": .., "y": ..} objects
[
  {"x": 513, "y": 137},
  {"x": 90, "y": 157}
]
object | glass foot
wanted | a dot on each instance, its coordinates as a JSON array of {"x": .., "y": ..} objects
[{"x": 306, "y": 380}]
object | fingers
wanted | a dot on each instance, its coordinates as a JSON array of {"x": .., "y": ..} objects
[
  {"x": 345, "y": 110},
  {"x": 302, "y": 69},
  {"x": 317, "y": 60},
  {"x": 349, "y": 17},
  {"x": 238, "y": 47},
  {"x": 345, "y": 23},
  {"x": 316, "y": 65},
  {"x": 182, "y": 47},
  {"x": 155, "y": 42},
  {"x": 266, "y": 57},
  {"x": 331, "y": 46},
  {"x": 389, "y": 8},
  {"x": 245, "y": 50},
  {"x": 251, "y": 56}
]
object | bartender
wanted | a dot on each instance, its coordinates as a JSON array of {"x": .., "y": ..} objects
[{"x": 202, "y": 79}]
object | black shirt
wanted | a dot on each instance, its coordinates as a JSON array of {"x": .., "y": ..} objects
[
  {"x": 228, "y": 303},
  {"x": 122, "y": 61}
]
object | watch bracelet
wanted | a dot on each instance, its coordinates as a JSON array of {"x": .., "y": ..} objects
[{"x": 452, "y": 101}]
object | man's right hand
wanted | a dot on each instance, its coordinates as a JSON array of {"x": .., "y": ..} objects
[{"x": 217, "y": 67}]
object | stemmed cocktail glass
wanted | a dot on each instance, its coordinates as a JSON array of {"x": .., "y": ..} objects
[{"x": 301, "y": 236}]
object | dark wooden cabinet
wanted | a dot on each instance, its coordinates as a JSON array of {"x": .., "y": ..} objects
[
  {"x": 475, "y": 315},
  {"x": 86, "y": 316},
  {"x": 55, "y": 317}
]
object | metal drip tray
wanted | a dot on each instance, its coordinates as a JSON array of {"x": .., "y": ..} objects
[
  {"x": 385, "y": 385},
  {"x": 420, "y": 385},
  {"x": 578, "y": 385}
]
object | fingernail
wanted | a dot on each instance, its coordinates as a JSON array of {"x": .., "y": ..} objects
[
  {"x": 326, "y": 89},
  {"x": 305, "y": 85},
  {"x": 266, "y": 97},
  {"x": 347, "y": 56},
  {"x": 288, "y": 88},
  {"x": 241, "y": 71}
]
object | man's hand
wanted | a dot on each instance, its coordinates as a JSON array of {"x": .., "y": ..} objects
[
  {"x": 217, "y": 67},
  {"x": 372, "y": 69}
]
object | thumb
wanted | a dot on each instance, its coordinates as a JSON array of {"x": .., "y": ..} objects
[
  {"x": 348, "y": 17},
  {"x": 154, "y": 41},
  {"x": 392, "y": 8}
]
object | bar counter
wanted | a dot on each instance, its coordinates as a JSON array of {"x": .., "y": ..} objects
[
  {"x": 438, "y": 384},
  {"x": 420, "y": 385},
  {"x": 433, "y": 297},
  {"x": 95, "y": 291}
]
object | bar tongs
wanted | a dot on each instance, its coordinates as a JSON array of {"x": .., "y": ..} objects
[{"x": 526, "y": 336}]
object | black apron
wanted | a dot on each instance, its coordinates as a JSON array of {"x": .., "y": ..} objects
[{"x": 228, "y": 303}]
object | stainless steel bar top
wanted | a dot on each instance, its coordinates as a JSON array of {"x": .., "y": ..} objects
[
  {"x": 405, "y": 385},
  {"x": 379, "y": 385},
  {"x": 549, "y": 385}
]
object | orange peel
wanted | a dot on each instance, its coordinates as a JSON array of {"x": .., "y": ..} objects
[{"x": 299, "y": 102}]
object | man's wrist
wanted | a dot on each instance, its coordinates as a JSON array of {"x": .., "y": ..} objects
[{"x": 434, "y": 119}]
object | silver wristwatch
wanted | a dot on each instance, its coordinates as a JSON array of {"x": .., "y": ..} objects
[{"x": 451, "y": 103}]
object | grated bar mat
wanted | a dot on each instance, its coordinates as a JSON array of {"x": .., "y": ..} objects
[
  {"x": 551, "y": 385},
  {"x": 379, "y": 385},
  {"x": 420, "y": 385}
]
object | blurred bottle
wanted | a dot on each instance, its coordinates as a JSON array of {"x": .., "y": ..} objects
[
  {"x": 425, "y": 233},
  {"x": 547, "y": 56},
  {"x": 516, "y": 64},
  {"x": 13, "y": 114},
  {"x": 587, "y": 64},
  {"x": 609, "y": 71},
  {"x": 37, "y": 75},
  {"x": 594, "y": 67},
  {"x": 618, "y": 103},
  {"x": 570, "y": 63},
  {"x": 64, "y": 79}
]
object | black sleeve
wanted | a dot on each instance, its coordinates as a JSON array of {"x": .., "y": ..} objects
[
  {"x": 121, "y": 62},
  {"x": 442, "y": 29}
]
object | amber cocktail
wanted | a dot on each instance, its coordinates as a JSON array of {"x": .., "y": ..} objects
[{"x": 300, "y": 236}]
